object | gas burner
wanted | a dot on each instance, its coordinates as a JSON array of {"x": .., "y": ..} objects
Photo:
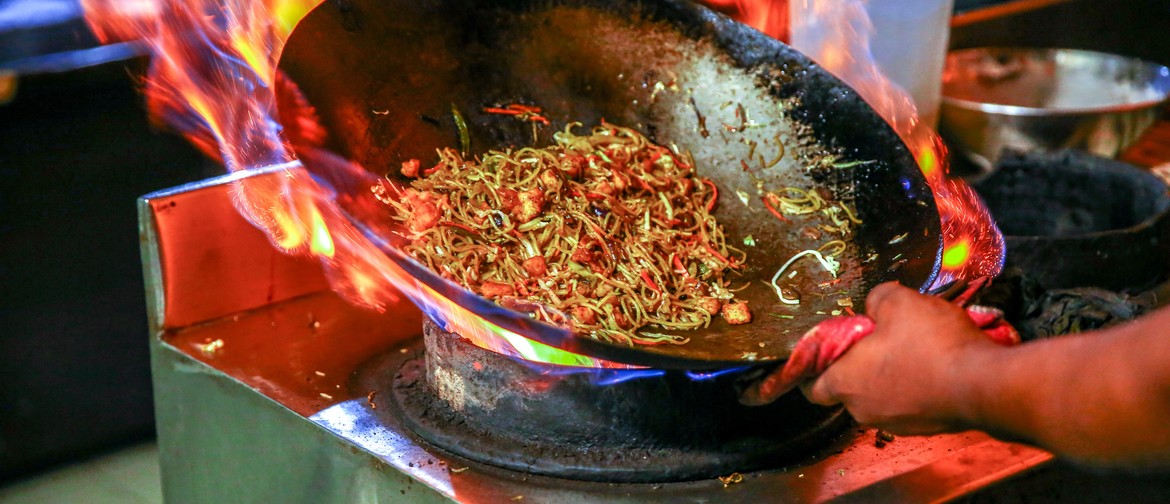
[{"x": 589, "y": 424}]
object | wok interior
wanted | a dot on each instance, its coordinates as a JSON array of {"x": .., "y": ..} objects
[{"x": 385, "y": 75}]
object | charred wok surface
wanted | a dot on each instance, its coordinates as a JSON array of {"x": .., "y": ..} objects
[{"x": 756, "y": 115}]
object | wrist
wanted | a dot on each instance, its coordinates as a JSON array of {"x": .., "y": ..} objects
[{"x": 974, "y": 372}]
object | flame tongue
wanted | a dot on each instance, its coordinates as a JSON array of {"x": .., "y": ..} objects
[
  {"x": 211, "y": 78},
  {"x": 972, "y": 245},
  {"x": 768, "y": 16}
]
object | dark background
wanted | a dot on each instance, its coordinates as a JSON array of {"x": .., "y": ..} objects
[{"x": 75, "y": 152}]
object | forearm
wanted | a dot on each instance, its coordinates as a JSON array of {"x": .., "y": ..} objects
[{"x": 1102, "y": 397}]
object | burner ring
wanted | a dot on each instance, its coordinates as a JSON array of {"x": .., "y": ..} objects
[{"x": 518, "y": 415}]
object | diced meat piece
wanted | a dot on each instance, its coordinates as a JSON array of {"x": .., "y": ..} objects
[
  {"x": 508, "y": 199},
  {"x": 737, "y": 313},
  {"x": 604, "y": 290},
  {"x": 583, "y": 289},
  {"x": 411, "y": 196},
  {"x": 413, "y": 199},
  {"x": 621, "y": 320},
  {"x": 531, "y": 205},
  {"x": 426, "y": 215},
  {"x": 410, "y": 168},
  {"x": 574, "y": 165},
  {"x": 711, "y": 305},
  {"x": 586, "y": 252},
  {"x": 620, "y": 182},
  {"x": 583, "y": 315},
  {"x": 536, "y": 266},
  {"x": 492, "y": 290},
  {"x": 550, "y": 181},
  {"x": 604, "y": 187}
]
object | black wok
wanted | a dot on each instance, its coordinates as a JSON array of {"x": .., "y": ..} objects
[{"x": 384, "y": 76}]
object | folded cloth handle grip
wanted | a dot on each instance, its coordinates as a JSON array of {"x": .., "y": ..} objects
[{"x": 826, "y": 342}]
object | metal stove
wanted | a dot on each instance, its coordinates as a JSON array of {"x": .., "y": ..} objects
[{"x": 262, "y": 395}]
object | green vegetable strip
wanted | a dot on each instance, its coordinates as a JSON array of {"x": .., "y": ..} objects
[{"x": 461, "y": 125}]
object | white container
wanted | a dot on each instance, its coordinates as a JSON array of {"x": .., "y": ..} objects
[{"x": 906, "y": 38}]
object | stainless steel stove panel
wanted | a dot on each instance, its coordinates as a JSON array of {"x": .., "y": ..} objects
[{"x": 254, "y": 360}]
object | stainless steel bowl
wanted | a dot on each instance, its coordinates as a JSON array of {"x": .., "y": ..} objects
[{"x": 1046, "y": 99}]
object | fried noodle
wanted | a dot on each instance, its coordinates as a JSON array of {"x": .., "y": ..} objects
[{"x": 604, "y": 232}]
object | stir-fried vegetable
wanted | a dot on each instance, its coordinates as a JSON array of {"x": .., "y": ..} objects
[
  {"x": 796, "y": 201},
  {"x": 826, "y": 255},
  {"x": 606, "y": 232}
]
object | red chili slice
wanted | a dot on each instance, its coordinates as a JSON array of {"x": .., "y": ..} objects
[
  {"x": 771, "y": 209},
  {"x": 714, "y": 196},
  {"x": 650, "y": 282}
]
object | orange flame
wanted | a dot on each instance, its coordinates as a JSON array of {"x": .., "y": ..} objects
[
  {"x": 213, "y": 77},
  {"x": 972, "y": 245},
  {"x": 768, "y": 16}
]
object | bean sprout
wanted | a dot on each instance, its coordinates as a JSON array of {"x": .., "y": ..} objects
[{"x": 828, "y": 262}]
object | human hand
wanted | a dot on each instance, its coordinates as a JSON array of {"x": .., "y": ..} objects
[
  {"x": 822, "y": 345},
  {"x": 907, "y": 376}
]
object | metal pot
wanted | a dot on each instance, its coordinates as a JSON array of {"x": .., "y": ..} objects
[{"x": 1047, "y": 99}]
